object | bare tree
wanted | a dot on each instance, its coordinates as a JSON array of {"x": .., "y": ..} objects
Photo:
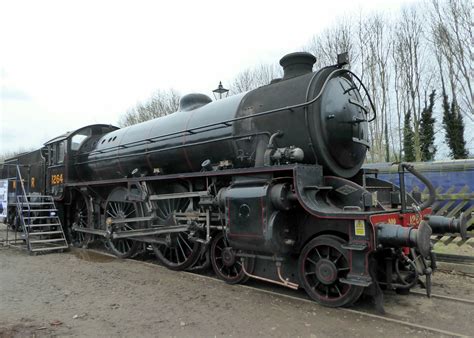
[
  {"x": 452, "y": 36},
  {"x": 161, "y": 103},
  {"x": 374, "y": 50},
  {"x": 255, "y": 77},
  {"x": 413, "y": 59},
  {"x": 400, "y": 99},
  {"x": 333, "y": 41}
]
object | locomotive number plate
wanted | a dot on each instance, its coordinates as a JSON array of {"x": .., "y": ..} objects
[
  {"x": 57, "y": 179},
  {"x": 359, "y": 226}
]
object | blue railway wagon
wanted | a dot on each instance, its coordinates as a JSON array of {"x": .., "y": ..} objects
[{"x": 453, "y": 180}]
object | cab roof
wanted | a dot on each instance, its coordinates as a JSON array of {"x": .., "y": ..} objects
[{"x": 71, "y": 133}]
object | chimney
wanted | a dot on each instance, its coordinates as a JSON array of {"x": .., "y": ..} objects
[{"x": 297, "y": 64}]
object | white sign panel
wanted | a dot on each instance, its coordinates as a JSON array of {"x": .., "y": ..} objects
[{"x": 3, "y": 199}]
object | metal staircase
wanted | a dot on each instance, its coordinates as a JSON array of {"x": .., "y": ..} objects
[{"x": 39, "y": 219}]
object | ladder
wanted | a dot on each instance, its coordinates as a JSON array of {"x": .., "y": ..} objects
[{"x": 39, "y": 219}]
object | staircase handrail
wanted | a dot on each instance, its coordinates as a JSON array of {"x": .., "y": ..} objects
[{"x": 20, "y": 206}]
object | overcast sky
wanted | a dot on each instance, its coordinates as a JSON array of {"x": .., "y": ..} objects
[{"x": 66, "y": 64}]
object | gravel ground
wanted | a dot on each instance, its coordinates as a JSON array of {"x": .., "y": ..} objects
[{"x": 84, "y": 294}]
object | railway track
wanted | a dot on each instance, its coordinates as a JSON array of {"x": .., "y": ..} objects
[
  {"x": 462, "y": 265},
  {"x": 457, "y": 259},
  {"x": 386, "y": 317},
  {"x": 445, "y": 297},
  {"x": 364, "y": 310}
]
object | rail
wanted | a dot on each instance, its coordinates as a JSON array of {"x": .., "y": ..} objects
[{"x": 458, "y": 259}]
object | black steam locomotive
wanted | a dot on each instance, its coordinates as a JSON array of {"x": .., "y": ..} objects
[{"x": 266, "y": 184}]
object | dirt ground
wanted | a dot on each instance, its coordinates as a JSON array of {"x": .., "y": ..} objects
[{"x": 84, "y": 294}]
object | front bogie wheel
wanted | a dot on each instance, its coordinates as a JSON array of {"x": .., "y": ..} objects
[
  {"x": 322, "y": 264},
  {"x": 225, "y": 262}
]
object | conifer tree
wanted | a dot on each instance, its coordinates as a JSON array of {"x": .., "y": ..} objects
[
  {"x": 408, "y": 139},
  {"x": 454, "y": 128},
  {"x": 427, "y": 134}
]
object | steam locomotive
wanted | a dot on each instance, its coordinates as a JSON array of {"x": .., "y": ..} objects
[{"x": 266, "y": 185}]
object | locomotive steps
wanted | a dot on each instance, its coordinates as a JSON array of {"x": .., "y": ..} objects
[{"x": 42, "y": 229}]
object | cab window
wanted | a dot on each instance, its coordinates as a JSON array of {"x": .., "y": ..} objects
[
  {"x": 52, "y": 154},
  {"x": 57, "y": 151},
  {"x": 78, "y": 139},
  {"x": 60, "y": 152}
]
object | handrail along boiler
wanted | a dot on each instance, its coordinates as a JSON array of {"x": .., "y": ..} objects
[{"x": 265, "y": 184}]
